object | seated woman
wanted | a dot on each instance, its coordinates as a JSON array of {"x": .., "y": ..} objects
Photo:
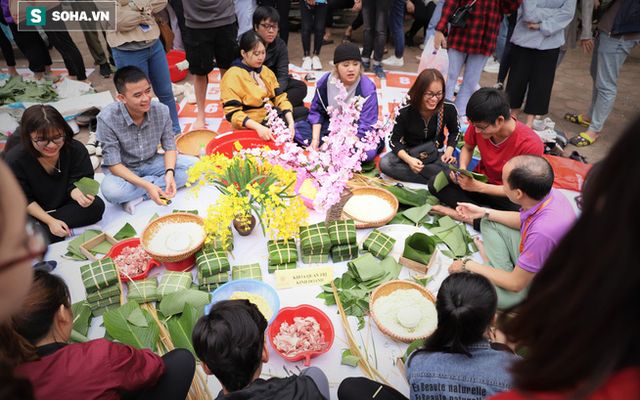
[
  {"x": 348, "y": 69},
  {"x": 36, "y": 341},
  {"x": 245, "y": 86},
  {"x": 419, "y": 132},
  {"x": 456, "y": 358},
  {"x": 47, "y": 165}
]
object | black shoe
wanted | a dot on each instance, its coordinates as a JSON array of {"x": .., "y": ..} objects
[
  {"x": 105, "y": 70},
  {"x": 112, "y": 61},
  {"x": 408, "y": 40}
]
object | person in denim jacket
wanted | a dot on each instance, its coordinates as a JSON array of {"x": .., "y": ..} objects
[{"x": 456, "y": 359}]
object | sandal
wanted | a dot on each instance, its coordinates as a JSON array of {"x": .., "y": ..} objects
[
  {"x": 576, "y": 119},
  {"x": 581, "y": 140},
  {"x": 326, "y": 42},
  {"x": 346, "y": 39}
]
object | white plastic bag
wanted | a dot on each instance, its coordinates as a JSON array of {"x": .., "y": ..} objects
[{"x": 434, "y": 59}]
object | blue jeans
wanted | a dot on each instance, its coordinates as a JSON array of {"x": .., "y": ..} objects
[
  {"x": 435, "y": 18},
  {"x": 117, "y": 190},
  {"x": 244, "y": 13},
  {"x": 154, "y": 64},
  {"x": 608, "y": 56},
  {"x": 473, "y": 69},
  {"x": 501, "y": 41},
  {"x": 396, "y": 18}
]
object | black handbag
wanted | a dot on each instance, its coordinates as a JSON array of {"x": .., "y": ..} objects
[
  {"x": 460, "y": 16},
  {"x": 425, "y": 152}
]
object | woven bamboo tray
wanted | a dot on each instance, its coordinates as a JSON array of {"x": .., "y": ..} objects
[
  {"x": 152, "y": 229},
  {"x": 389, "y": 287},
  {"x": 379, "y": 220},
  {"x": 189, "y": 143}
]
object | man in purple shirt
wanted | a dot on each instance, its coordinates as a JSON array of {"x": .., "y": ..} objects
[{"x": 517, "y": 244}]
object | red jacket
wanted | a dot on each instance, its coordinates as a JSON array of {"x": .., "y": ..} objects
[
  {"x": 624, "y": 384},
  {"x": 98, "y": 369},
  {"x": 480, "y": 34}
]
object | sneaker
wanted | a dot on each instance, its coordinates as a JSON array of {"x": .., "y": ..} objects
[
  {"x": 377, "y": 69},
  {"x": 421, "y": 47},
  {"x": 492, "y": 66},
  {"x": 51, "y": 77},
  {"x": 366, "y": 64},
  {"x": 91, "y": 144},
  {"x": 95, "y": 162},
  {"x": 306, "y": 63},
  {"x": 499, "y": 86},
  {"x": 394, "y": 61},
  {"x": 105, "y": 70},
  {"x": 316, "y": 64},
  {"x": 408, "y": 40}
]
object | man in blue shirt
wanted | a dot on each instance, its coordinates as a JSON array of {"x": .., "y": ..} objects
[{"x": 130, "y": 131}]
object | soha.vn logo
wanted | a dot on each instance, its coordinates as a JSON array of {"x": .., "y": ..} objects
[{"x": 37, "y": 16}]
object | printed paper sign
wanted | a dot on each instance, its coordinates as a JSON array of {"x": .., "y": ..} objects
[{"x": 288, "y": 278}]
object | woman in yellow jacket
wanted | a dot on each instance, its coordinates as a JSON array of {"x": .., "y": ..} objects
[{"x": 248, "y": 85}]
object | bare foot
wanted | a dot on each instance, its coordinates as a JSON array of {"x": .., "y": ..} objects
[
  {"x": 12, "y": 71},
  {"x": 480, "y": 245},
  {"x": 198, "y": 125}
]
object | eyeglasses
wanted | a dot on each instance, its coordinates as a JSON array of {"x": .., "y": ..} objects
[
  {"x": 45, "y": 142},
  {"x": 429, "y": 95},
  {"x": 269, "y": 28},
  {"x": 481, "y": 128},
  {"x": 35, "y": 244},
  {"x": 578, "y": 200}
]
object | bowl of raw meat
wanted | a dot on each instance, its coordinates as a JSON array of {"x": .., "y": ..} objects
[
  {"x": 301, "y": 332},
  {"x": 132, "y": 261}
]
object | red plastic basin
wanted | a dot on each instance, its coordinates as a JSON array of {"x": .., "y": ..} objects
[
  {"x": 117, "y": 249},
  {"x": 182, "y": 266},
  {"x": 174, "y": 57},
  {"x": 224, "y": 144},
  {"x": 304, "y": 310}
]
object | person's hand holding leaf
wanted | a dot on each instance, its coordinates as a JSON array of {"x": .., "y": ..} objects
[
  {"x": 470, "y": 211},
  {"x": 85, "y": 200}
]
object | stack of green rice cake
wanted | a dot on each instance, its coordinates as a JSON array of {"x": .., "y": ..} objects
[
  {"x": 143, "y": 291},
  {"x": 378, "y": 244},
  {"x": 250, "y": 271},
  {"x": 315, "y": 243},
  {"x": 100, "y": 280},
  {"x": 213, "y": 269},
  {"x": 173, "y": 281},
  {"x": 344, "y": 244},
  {"x": 282, "y": 255}
]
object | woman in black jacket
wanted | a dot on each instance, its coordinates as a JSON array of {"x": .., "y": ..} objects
[{"x": 418, "y": 137}]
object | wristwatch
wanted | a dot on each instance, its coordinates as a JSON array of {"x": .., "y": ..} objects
[{"x": 487, "y": 211}]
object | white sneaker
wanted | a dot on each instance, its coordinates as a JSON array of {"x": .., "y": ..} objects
[
  {"x": 394, "y": 61},
  {"x": 492, "y": 66},
  {"x": 317, "y": 65},
  {"x": 91, "y": 144},
  {"x": 306, "y": 63},
  {"x": 189, "y": 93},
  {"x": 421, "y": 47},
  {"x": 95, "y": 162}
]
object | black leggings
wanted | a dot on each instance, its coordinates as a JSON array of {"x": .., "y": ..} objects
[
  {"x": 7, "y": 49},
  {"x": 70, "y": 54},
  {"x": 363, "y": 388},
  {"x": 505, "y": 59},
  {"x": 75, "y": 216},
  {"x": 180, "y": 367},
  {"x": 342, "y": 4},
  {"x": 421, "y": 17},
  {"x": 313, "y": 18},
  {"x": 33, "y": 47},
  {"x": 283, "y": 7},
  {"x": 296, "y": 92}
]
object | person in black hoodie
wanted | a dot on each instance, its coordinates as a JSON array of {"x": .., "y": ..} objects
[
  {"x": 265, "y": 23},
  {"x": 230, "y": 343}
]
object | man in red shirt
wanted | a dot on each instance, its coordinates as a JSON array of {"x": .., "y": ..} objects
[
  {"x": 499, "y": 137},
  {"x": 471, "y": 44}
]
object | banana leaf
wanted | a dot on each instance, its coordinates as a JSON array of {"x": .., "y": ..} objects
[
  {"x": 101, "y": 248},
  {"x": 419, "y": 248},
  {"x": 137, "y": 318},
  {"x": 440, "y": 182},
  {"x": 174, "y": 303},
  {"x": 186, "y": 211},
  {"x": 88, "y": 186},
  {"x": 154, "y": 216},
  {"x": 412, "y": 347},
  {"x": 81, "y": 317},
  {"x": 365, "y": 268},
  {"x": 348, "y": 359},
  {"x": 400, "y": 219},
  {"x": 368, "y": 165},
  {"x": 392, "y": 267},
  {"x": 410, "y": 197},
  {"x": 127, "y": 232},
  {"x": 473, "y": 175},
  {"x": 181, "y": 326},
  {"x": 452, "y": 235},
  {"x": 117, "y": 325},
  {"x": 418, "y": 215},
  {"x": 73, "y": 248}
]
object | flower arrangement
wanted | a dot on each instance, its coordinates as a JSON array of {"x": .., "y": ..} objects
[
  {"x": 330, "y": 170},
  {"x": 249, "y": 185}
]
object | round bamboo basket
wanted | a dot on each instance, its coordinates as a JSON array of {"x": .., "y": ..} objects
[
  {"x": 389, "y": 287},
  {"x": 189, "y": 143},
  {"x": 376, "y": 220},
  {"x": 149, "y": 232}
]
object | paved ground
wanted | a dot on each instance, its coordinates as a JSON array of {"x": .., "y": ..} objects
[{"x": 571, "y": 92}]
